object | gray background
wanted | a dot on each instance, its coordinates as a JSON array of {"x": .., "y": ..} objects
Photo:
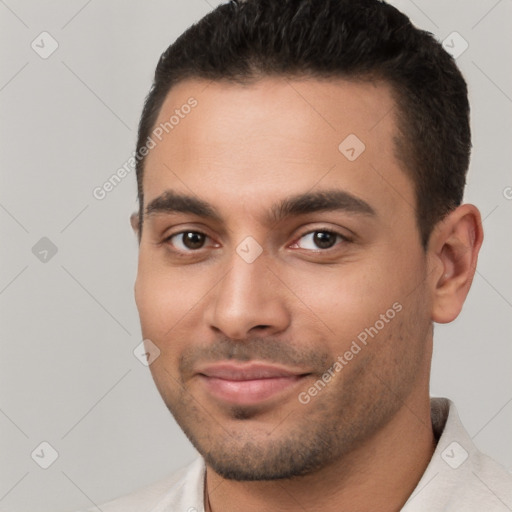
[{"x": 69, "y": 324}]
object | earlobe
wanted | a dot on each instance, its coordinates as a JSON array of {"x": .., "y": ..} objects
[{"x": 456, "y": 242}]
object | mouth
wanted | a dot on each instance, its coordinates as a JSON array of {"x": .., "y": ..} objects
[{"x": 248, "y": 384}]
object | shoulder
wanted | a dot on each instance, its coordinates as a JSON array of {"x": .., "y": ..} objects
[
  {"x": 181, "y": 490},
  {"x": 459, "y": 476},
  {"x": 491, "y": 482}
]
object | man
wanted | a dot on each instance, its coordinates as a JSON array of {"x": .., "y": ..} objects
[{"x": 301, "y": 167}]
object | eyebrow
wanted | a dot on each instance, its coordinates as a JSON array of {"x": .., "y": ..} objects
[{"x": 301, "y": 204}]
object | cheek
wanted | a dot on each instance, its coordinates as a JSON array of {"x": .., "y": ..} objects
[
  {"x": 346, "y": 298},
  {"x": 165, "y": 306},
  {"x": 159, "y": 298},
  {"x": 168, "y": 297}
]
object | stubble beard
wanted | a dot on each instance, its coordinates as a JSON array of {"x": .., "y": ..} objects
[{"x": 313, "y": 436}]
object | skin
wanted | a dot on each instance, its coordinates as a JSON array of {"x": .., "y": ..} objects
[{"x": 364, "y": 441}]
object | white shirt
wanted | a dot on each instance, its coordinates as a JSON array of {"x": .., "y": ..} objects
[{"x": 458, "y": 478}]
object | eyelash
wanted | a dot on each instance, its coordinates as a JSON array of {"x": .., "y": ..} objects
[{"x": 182, "y": 253}]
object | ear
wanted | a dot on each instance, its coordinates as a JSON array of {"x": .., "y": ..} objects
[
  {"x": 453, "y": 247},
  {"x": 134, "y": 221}
]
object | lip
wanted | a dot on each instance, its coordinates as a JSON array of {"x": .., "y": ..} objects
[{"x": 249, "y": 383}]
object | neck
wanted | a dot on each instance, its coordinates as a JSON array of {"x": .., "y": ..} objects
[{"x": 380, "y": 474}]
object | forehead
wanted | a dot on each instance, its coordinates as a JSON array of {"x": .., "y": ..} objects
[{"x": 277, "y": 137}]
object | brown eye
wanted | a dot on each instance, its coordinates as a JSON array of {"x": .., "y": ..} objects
[
  {"x": 188, "y": 240},
  {"x": 324, "y": 239},
  {"x": 320, "y": 239}
]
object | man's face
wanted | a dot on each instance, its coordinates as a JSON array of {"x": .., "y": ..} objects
[{"x": 267, "y": 275}]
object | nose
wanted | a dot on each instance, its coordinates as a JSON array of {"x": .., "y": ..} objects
[{"x": 248, "y": 300}]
